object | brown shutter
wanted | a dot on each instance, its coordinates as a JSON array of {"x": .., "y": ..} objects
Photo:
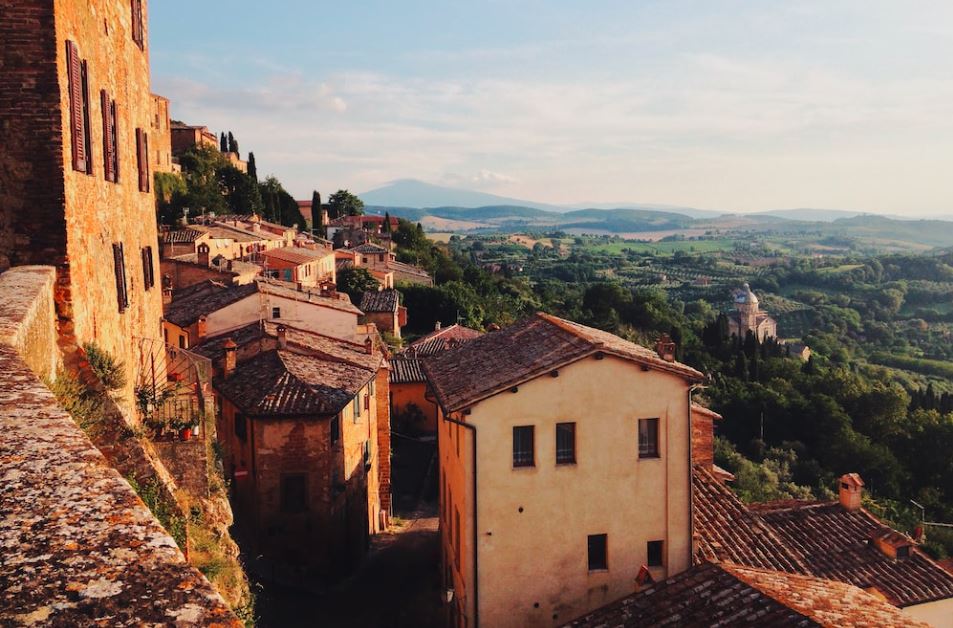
[
  {"x": 87, "y": 130},
  {"x": 74, "y": 69},
  {"x": 147, "y": 268},
  {"x": 137, "y": 23},
  {"x": 114, "y": 134},
  {"x": 142, "y": 154},
  {"x": 145, "y": 161},
  {"x": 109, "y": 149},
  {"x": 119, "y": 265}
]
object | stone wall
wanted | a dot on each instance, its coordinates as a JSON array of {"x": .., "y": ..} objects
[
  {"x": 78, "y": 544},
  {"x": 187, "y": 461},
  {"x": 382, "y": 396}
]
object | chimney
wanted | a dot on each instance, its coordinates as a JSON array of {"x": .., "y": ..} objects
[
  {"x": 203, "y": 254},
  {"x": 437, "y": 326},
  {"x": 201, "y": 327},
  {"x": 851, "y": 490},
  {"x": 166, "y": 296},
  {"x": 282, "y": 337},
  {"x": 231, "y": 350},
  {"x": 665, "y": 348},
  {"x": 369, "y": 346}
]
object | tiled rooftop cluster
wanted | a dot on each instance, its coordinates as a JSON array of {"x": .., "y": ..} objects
[{"x": 406, "y": 368}]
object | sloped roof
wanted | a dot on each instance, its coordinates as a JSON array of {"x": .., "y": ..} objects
[
  {"x": 725, "y": 530},
  {"x": 523, "y": 351},
  {"x": 204, "y": 298},
  {"x": 284, "y": 383},
  {"x": 442, "y": 339},
  {"x": 288, "y": 291},
  {"x": 297, "y": 255},
  {"x": 369, "y": 248},
  {"x": 406, "y": 370},
  {"x": 833, "y": 542},
  {"x": 380, "y": 301},
  {"x": 180, "y": 236},
  {"x": 409, "y": 269},
  {"x": 733, "y": 595}
]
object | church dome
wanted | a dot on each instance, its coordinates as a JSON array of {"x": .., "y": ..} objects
[{"x": 746, "y": 296}]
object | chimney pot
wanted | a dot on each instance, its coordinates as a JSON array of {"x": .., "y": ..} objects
[
  {"x": 851, "y": 491},
  {"x": 437, "y": 326},
  {"x": 201, "y": 327},
  {"x": 282, "y": 337},
  {"x": 203, "y": 254},
  {"x": 369, "y": 346},
  {"x": 166, "y": 296},
  {"x": 665, "y": 348},
  {"x": 231, "y": 356}
]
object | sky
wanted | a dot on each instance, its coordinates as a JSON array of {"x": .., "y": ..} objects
[{"x": 734, "y": 105}]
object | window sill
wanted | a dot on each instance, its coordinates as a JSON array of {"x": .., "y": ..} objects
[
  {"x": 650, "y": 457},
  {"x": 568, "y": 463},
  {"x": 523, "y": 467},
  {"x": 598, "y": 571}
]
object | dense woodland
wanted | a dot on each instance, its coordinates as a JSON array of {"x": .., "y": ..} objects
[{"x": 875, "y": 397}]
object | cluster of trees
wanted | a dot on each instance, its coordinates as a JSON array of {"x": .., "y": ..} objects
[{"x": 209, "y": 184}]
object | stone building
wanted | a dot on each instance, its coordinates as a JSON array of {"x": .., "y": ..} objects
[
  {"x": 379, "y": 259},
  {"x": 304, "y": 426},
  {"x": 564, "y": 471},
  {"x": 306, "y": 266},
  {"x": 162, "y": 136},
  {"x": 747, "y": 316},
  {"x": 383, "y": 308},
  {"x": 76, "y": 118},
  {"x": 185, "y": 136}
]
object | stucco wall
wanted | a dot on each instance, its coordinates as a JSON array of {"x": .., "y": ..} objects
[
  {"x": 534, "y": 522},
  {"x": 402, "y": 395},
  {"x": 303, "y": 315},
  {"x": 938, "y": 614}
]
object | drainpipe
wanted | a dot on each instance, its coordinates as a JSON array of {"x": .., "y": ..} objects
[
  {"x": 476, "y": 536},
  {"x": 691, "y": 475}
]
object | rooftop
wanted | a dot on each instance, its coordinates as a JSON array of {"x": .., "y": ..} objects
[
  {"x": 286, "y": 383},
  {"x": 442, "y": 339},
  {"x": 369, "y": 248},
  {"x": 523, "y": 351},
  {"x": 180, "y": 236},
  {"x": 732, "y": 595},
  {"x": 297, "y": 255},
  {"x": 380, "y": 301}
]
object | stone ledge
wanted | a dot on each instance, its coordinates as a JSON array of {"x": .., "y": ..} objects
[{"x": 27, "y": 318}]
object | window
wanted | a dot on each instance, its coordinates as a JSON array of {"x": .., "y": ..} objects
[
  {"x": 78, "y": 108},
  {"x": 371, "y": 388},
  {"x": 181, "y": 341},
  {"x": 142, "y": 159},
  {"x": 597, "y": 552},
  {"x": 335, "y": 429},
  {"x": 119, "y": 266},
  {"x": 367, "y": 455},
  {"x": 148, "y": 275},
  {"x": 648, "y": 438},
  {"x": 565, "y": 443},
  {"x": 523, "y": 446},
  {"x": 110, "y": 153},
  {"x": 654, "y": 552},
  {"x": 276, "y": 312},
  {"x": 356, "y": 407},
  {"x": 241, "y": 427},
  {"x": 367, "y": 401},
  {"x": 294, "y": 496},
  {"x": 138, "y": 30}
]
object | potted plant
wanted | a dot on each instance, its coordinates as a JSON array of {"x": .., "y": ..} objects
[{"x": 183, "y": 426}]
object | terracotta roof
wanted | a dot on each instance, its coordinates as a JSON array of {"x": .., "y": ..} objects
[
  {"x": 281, "y": 289},
  {"x": 725, "y": 530},
  {"x": 285, "y": 383},
  {"x": 297, "y": 255},
  {"x": 525, "y": 350},
  {"x": 300, "y": 340},
  {"x": 409, "y": 269},
  {"x": 732, "y": 595},
  {"x": 180, "y": 236},
  {"x": 406, "y": 370},
  {"x": 833, "y": 542},
  {"x": 369, "y": 248},
  {"x": 699, "y": 409},
  {"x": 380, "y": 301},
  {"x": 229, "y": 233},
  {"x": 442, "y": 339},
  {"x": 219, "y": 263}
]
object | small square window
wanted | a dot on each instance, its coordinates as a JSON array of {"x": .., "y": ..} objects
[
  {"x": 565, "y": 443},
  {"x": 523, "y": 446},
  {"x": 335, "y": 429},
  {"x": 598, "y": 546},
  {"x": 654, "y": 553},
  {"x": 294, "y": 495},
  {"x": 276, "y": 312},
  {"x": 648, "y": 438}
]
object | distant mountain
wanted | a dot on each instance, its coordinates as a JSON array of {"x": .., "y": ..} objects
[
  {"x": 691, "y": 212},
  {"x": 808, "y": 214},
  {"x": 411, "y": 193}
]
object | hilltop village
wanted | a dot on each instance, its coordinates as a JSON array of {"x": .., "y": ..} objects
[{"x": 204, "y": 394}]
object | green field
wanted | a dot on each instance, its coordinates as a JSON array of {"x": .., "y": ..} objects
[{"x": 661, "y": 248}]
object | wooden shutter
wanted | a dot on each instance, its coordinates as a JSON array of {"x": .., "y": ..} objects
[
  {"x": 114, "y": 135},
  {"x": 74, "y": 69},
  {"x": 148, "y": 275},
  {"x": 87, "y": 128},
  {"x": 109, "y": 148},
  {"x": 137, "y": 23},
  {"x": 119, "y": 264},
  {"x": 142, "y": 154}
]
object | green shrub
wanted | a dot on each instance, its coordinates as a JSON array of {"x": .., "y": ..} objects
[
  {"x": 110, "y": 371},
  {"x": 83, "y": 404}
]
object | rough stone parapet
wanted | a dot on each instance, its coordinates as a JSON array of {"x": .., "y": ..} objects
[
  {"x": 78, "y": 546},
  {"x": 27, "y": 319}
]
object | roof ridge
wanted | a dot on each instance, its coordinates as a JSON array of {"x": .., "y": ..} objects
[
  {"x": 794, "y": 604},
  {"x": 565, "y": 326}
]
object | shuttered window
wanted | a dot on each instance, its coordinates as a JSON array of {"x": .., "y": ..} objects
[
  {"x": 78, "y": 109},
  {"x": 523, "y": 451},
  {"x": 119, "y": 264},
  {"x": 110, "y": 139},
  {"x": 142, "y": 156},
  {"x": 138, "y": 30},
  {"x": 148, "y": 272}
]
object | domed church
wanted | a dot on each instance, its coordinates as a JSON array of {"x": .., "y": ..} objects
[{"x": 749, "y": 317}]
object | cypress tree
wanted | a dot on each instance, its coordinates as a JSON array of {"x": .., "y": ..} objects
[
  {"x": 223, "y": 143},
  {"x": 232, "y": 143},
  {"x": 317, "y": 218},
  {"x": 252, "y": 169},
  {"x": 387, "y": 222}
]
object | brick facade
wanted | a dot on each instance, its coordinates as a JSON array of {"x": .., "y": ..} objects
[
  {"x": 161, "y": 142},
  {"x": 54, "y": 214}
]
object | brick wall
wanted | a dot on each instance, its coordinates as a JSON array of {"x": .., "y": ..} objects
[
  {"x": 702, "y": 439},
  {"x": 187, "y": 461},
  {"x": 161, "y": 140},
  {"x": 383, "y": 440}
]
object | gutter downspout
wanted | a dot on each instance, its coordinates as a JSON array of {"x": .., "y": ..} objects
[
  {"x": 476, "y": 536},
  {"x": 691, "y": 476}
]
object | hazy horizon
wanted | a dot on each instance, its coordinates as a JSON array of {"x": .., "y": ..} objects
[{"x": 711, "y": 105}]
